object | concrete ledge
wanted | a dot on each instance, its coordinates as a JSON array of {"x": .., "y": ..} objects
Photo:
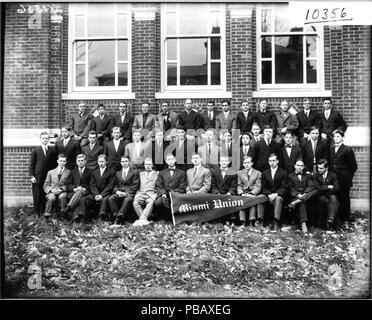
[
  {"x": 146, "y": 13},
  {"x": 26, "y": 137},
  {"x": 360, "y": 204}
]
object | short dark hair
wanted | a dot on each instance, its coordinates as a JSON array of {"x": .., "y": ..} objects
[
  {"x": 314, "y": 128},
  {"x": 323, "y": 161},
  {"x": 101, "y": 105},
  {"x": 325, "y": 99},
  {"x": 289, "y": 132},
  {"x": 274, "y": 155},
  {"x": 225, "y": 101},
  {"x": 268, "y": 127},
  {"x": 61, "y": 155},
  {"x": 165, "y": 101},
  {"x": 93, "y": 132},
  {"x": 210, "y": 102},
  {"x": 340, "y": 132},
  {"x": 180, "y": 127},
  {"x": 247, "y": 134}
]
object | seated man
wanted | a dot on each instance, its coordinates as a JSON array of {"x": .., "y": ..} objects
[
  {"x": 126, "y": 185},
  {"x": 249, "y": 185},
  {"x": 102, "y": 124},
  {"x": 256, "y": 134},
  {"x": 327, "y": 185},
  {"x": 55, "y": 185},
  {"x": 146, "y": 195},
  {"x": 77, "y": 187},
  {"x": 80, "y": 123},
  {"x": 274, "y": 186},
  {"x": 301, "y": 189},
  {"x": 198, "y": 178},
  {"x": 170, "y": 179},
  {"x": 101, "y": 184},
  {"x": 224, "y": 179}
]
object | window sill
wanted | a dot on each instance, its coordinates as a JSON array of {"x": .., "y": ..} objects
[
  {"x": 291, "y": 94},
  {"x": 193, "y": 95},
  {"x": 99, "y": 96}
]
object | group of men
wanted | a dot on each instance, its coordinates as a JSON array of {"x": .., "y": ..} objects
[{"x": 123, "y": 163}]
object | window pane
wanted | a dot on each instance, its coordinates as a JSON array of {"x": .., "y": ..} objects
[
  {"x": 193, "y": 61},
  {"x": 311, "y": 46},
  {"x": 193, "y": 19},
  {"x": 172, "y": 49},
  {"x": 122, "y": 25},
  {"x": 101, "y": 63},
  {"x": 79, "y": 26},
  {"x": 171, "y": 23},
  {"x": 80, "y": 50},
  {"x": 80, "y": 75},
  {"x": 172, "y": 74},
  {"x": 285, "y": 23},
  {"x": 266, "y": 72},
  {"x": 215, "y": 50},
  {"x": 266, "y": 47},
  {"x": 215, "y": 22},
  {"x": 215, "y": 73},
  {"x": 288, "y": 59},
  {"x": 266, "y": 20},
  {"x": 311, "y": 71},
  {"x": 123, "y": 74},
  {"x": 123, "y": 50},
  {"x": 100, "y": 20}
]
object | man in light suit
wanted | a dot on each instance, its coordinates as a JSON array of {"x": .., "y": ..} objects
[
  {"x": 114, "y": 150},
  {"x": 102, "y": 124},
  {"x": 249, "y": 185},
  {"x": 285, "y": 120},
  {"x": 331, "y": 120},
  {"x": 245, "y": 118},
  {"x": 80, "y": 124},
  {"x": 167, "y": 122},
  {"x": 199, "y": 178},
  {"x": 92, "y": 151},
  {"x": 68, "y": 146},
  {"x": 209, "y": 116},
  {"x": 210, "y": 151},
  {"x": 126, "y": 185},
  {"x": 289, "y": 153},
  {"x": 137, "y": 151},
  {"x": 226, "y": 119},
  {"x": 306, "y": 119},
  {"x": 145, "y": 122},
  {"x": 146, "y": 195},
  {"x": 55, "y": 186},
  {"x": 124, "y": 120}
]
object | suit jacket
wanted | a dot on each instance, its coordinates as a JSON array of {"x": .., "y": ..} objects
[
  {"x": 171, "y": 131},
  {"x": 297, "y": 186},
  {"x": 287, "y": 163},
  {"x": 290, "y": 121},
  {"x": 183, "y": 153},
  {"x": 41, "y": 164},
  {"x": 322, "y": 186},
  {"x": 242, "y": 155},
  {"x": 113, "y": 156},
  {"x": 335, "y": 121},
  {"x": 92, "y": 155},
  {"x": 166, "y": 183},
  {"x": 223, "y": 185},
  {"x": 71, "y": 150},
  {"x": 126, "y": 126},
  {"x": 75, "y": 180},
  {"x": 209, "y": 123},
  {"x": 200, "y": 182},
  {"x": 136, "y": 159},
  {"x": 226, "y": 150},
  {"x": 81, "y": 125},
  {"x": 102, "y": 185},
  {"x": 149, "y": 125},
  {"x": 131, "y": 183},
  {"x": 52, "y": 180},
  {"x": 190, "y": 121},
  {"x": 344, "y": 164},
  {"x": 253, "y": 140},
  {"x": 158, "y": 155},
  {"x": 267, "y": 118},
  {"x": 211, "y": 159},
  {"x": 321, "y": 152},
  {"x": 279, "y": 185},
  {"x": 261, "y": 153},
  {"x": 305, "y": 123},
  {"x": 228, "y": 123},
  {"x": 251, "y": 185},
  {"x": 243, "y": 124},
  {"x": 147, "y": 183},
  {"x": 103, "y": 126}
]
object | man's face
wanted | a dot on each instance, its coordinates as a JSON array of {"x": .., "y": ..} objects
[
  {"x": 159, "y": 136},
  {"x": 188, "y": 104},
  {"x": 61, "y": 162},
  {"x": 122, "y": 107},
  {"x": 81, "y": 162},
  {"x": 255, "y": 130},
  {"x": 102, "y": 162},
  {"x": 136, "y": 136},
  {"x": 227, "y": 137},
  {"x": 209, "y": 135},
  {"x": 92, "y": 138},
  {"x": 164, "y": 107},
  {"x": 171, "y": 161},
  {"x": 263, "y": 105},
  {"x": 224, "y": 162},
  {"x": 145, "y": 108},
  {"x": 225, "y": 107},
  {"x": 247, "y": 163},
  {"x": 299, "y": 166},
  {"x": 65, "y": 133},
  {"x": 284, "y": 106},
  {"x": 327, "y": 104},
  {"x": 321, "y": 168},
  {"x": 44, "y": 139},
  {"x": 181, "y": 134},
  {"x": 314, "y": 134},
  {"x": 307, "y": 104},
  {"x": 337, "y": 138},
  {"x": 116, "y": 134},
  {"x": 148, "y": 165},
  {"x": 124, "y": 163},
  {"x": 268, "y": 133},
  {"x": 210, "y": 106},
  {"x": 245, "y": 139},
  {"x": 288, "y": 139},
  {"x": 82, "y": 107},
  {"x": 196, "y": 160},
  {"x": 245, "y": 106},
  {"x": 101, "y": 111},
  {"x": 273, "y": 162}
]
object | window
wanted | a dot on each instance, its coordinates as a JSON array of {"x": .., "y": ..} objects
[
  {"x": 193, "y": 47},
  {"x": 100, "y": 47},
  {"x": 289, "y": 54}
]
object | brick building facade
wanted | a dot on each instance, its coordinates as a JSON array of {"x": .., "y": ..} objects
[{"x": 42, "y": 85}]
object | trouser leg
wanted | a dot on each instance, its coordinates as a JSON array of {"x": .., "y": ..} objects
[
  {"x": 261, "y": 210},
  {"x": 51, "y": 198},
  {"x": 138, "y": 202},
  {"x": 301, "y": 207},
  {"x": 148, "y": 208},
  {"x": 278, "y": 204},
  {"x": 333, "y": 205},
  {"x": 114, "y": 202},
  {"x": 104, "y": 207},
  {"x": 128, "y": 200},
  {"x": 62, "y": 198}
]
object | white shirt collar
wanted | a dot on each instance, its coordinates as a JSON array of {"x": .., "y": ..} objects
[
  {"x": 197, "y": 167},
  {"x": 274, "y": 170}
]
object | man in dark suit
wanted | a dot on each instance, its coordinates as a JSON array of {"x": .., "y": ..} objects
[
  {"x": 126, "y": 184},
  {"x": 80, "y": 124},
  {"x": 313, "y": 150},
  {"x": 101, "y": 184},
  {"x": 343, "y": 163},
  {"x": 306, "y": 119},
  {"x": 102, "y": 124},
  {"x": 224, "y": 179},
  {"x": 285, "y": 120},
  {"x": 124, "y": 120},
  {"x": 77, "y": 187},
  {"x": 331, "y": 120},
  {"x": 274, "y": 186},
  {"x": 301, "y": 189},
  {"x": 183, "y": 148},
  {"x": 42, "y": 160},
  {"x": 256, "y": 133},
  {"x": 114, "y": 150},
  {"x": 68, "y": 146},
  {"x": 265, "y": 117},
  {"x": 246, "y": 148},
  {"x": 167, "y": 122},
  {"x": 209, "y": 116},
  {"x": 263, "y": 149},
  {"x": 158, "y": 148},
  {"x": 92, "y": 151},
  {"x": 289, "y": 153},
  {"x": 145, "y": 122},
  {"x": 170, "y": 179},
  {"x": 190, "y": 120},
  {"x": 245, "y": 118},
  {"x": 327, "y": 185}
]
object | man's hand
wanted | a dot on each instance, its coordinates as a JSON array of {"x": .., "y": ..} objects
[
  {"x": 272, "y": 196},
  {"x": 301, "y": 195},
  {"x": 188, "y": 191},
  {"x": 98, "y": 197},
  {"x": 33, "y": 179},
  {"x": 164, "y": 195},
  {"x": 306, "y": 136},
  {"x": 324, "y": 136},
  {"x": 330, "y": 186},
  {"x": 229, "y": 193},
  {"x": 284, "y": 129}
]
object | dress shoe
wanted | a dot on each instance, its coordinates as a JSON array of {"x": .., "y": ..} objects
[
  {"x": 276, "y": 225},
  {"x": 330, "y": 224},
  {"x": 66, "y": 211}
]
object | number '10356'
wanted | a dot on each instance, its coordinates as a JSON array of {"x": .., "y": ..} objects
[{"x": 326, "y": 14}]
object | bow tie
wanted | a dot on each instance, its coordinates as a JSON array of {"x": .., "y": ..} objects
[
  {"x": 165, "y": 114},
  {"x": 145, "y": 114},
  {"x": 288, "y": 146}
]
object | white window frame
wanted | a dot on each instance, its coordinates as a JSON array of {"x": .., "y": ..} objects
[
  {"x": 290, "y": 89},
  {"x": 100, "y": 91},
  {"x": 192, "y": 91}
]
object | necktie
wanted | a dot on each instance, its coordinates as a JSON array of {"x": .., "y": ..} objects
[
  {"x": 245, "y": 150},
  {"x": 81, "y": 115},
  {"x": 324, "y": 178},
  {"x": 307, "y": 114},
  {"x": 246, "y": 115},
  {"x": 91, "y": 147},
  {"x": 59, "y": 174},
  {"x": 209, "y": 148},
  {"x": 223, "y": 174},
  {"x": 171, "y": 171},
  {"x": 144, "y": 118},
  {"x": 210, "y": 115},
  {"x": 64, "y": 142},
  {"x": 299, "y": 176},
  {"x": 314, "y": 147},
  {"x": 101, "y": 117},
  {"x": 44, "y": 150},
  {"x": 124, "y": 174},
  {"x": 81, "y": 172},
  {"x": 248, "y": 175},
  {"x": 194, "y": 172}
]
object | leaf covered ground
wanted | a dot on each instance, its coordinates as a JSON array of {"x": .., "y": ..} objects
[{"x": 160, "y": 260}]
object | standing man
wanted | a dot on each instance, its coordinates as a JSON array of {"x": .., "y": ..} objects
[
  {"x": 285, "y": 120},
  {"x": 102, "y": 124},
  {"x": 55, "y": 186},
  {"x": 331, "y": 120},
  {"x": 306, "y": 119},
  {"x": 124, "y": 120},
  {"x": 256, "y": 133},
  {"x": 245, "y": 118},
  {"x": 80, "y": 124},
  {"x": 265, "y": 117},
  {"x": 92, "y": 151},
  {"x": 246, "y": 148},
  {"x": 167, "y": 122},
  {"x": 226, "y": 120},
  {"x": 42, "y": 160},
  {"x": 158, "y": 151},
  {"x": 227, "y": 144},
  {"x": 343, "y": 163},
  {"x": 289, "y": 153},
  {"x": 199, "y": 178},
  {"x": 68, "y": 146},
  {"x": 190, "y": 120},
  {"x": 210, "y": 151},
  {"x": 209, "y": 116},
  {"x": 146, "y": 195},
  {"x": 136, "y": 150},
  {"x": 114, "y": 150},
  {"x": 145, "y": 122},
  {"x": 183, "y": 148}
]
